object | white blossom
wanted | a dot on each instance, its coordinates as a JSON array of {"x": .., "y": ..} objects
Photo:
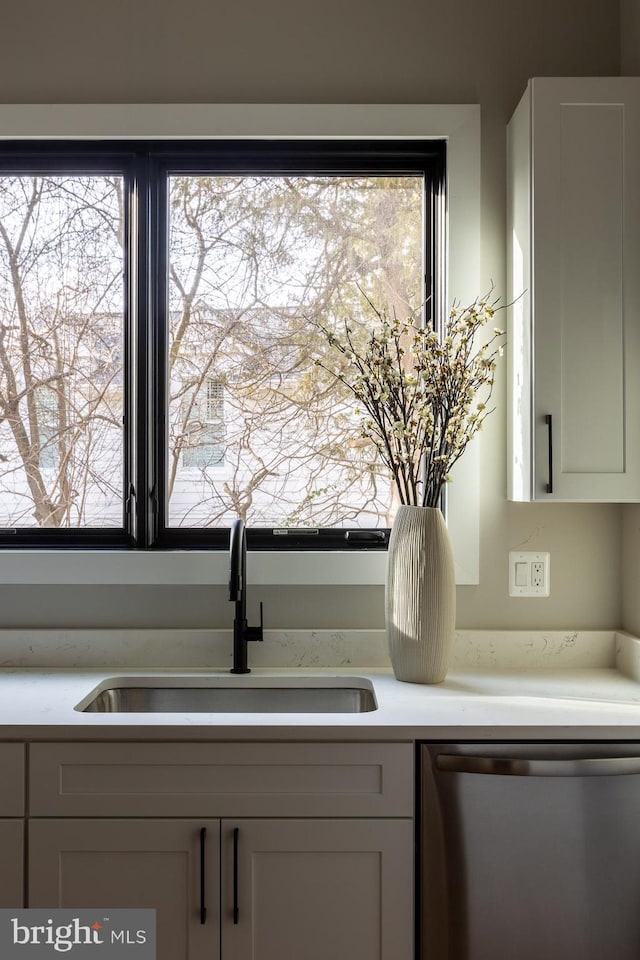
[{"x": 416, "y": 390}]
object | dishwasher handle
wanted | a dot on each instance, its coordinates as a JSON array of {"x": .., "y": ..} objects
[{"x": 523, "y": 767}]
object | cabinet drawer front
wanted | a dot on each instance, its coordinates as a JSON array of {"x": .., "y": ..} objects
[
  {"x": 12, "y": 780},
  {"x": 222, "y": 779}
]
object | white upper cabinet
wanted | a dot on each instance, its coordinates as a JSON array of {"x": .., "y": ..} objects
[{"x": 574, "y": 281}]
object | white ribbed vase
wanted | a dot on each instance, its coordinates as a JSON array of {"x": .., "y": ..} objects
[{"x": 420, "y": 595}]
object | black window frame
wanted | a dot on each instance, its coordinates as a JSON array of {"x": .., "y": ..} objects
[
  {"x": 145, "y": 167},
  {"x": 72, "y": 158}
]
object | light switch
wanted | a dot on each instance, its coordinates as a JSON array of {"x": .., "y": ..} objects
[{"x": 522, "y": 574}]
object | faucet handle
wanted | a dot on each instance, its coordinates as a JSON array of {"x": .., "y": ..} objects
[{"x": 256, "y": 633}]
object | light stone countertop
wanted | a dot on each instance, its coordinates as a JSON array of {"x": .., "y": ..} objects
[{"x": 502, "y": 685}]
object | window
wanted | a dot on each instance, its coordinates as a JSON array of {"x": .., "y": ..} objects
[
  {"x": 202, "y": 440},
  {"x": 62, "y": 294},
  {"x": 47, "y": 410},
  {"x": 157, "y": 334}
]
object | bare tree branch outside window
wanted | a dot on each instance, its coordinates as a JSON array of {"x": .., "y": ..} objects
[
  {"x": 61, "y": 347},
  {"x": 252, "y": 259},
  {"x": 255, "y": 428}
]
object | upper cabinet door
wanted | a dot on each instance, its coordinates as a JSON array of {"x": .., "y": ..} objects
[{"x": 574, "y": 281}]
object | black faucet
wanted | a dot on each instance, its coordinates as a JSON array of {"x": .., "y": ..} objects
[{"x": 242, "y": 633}]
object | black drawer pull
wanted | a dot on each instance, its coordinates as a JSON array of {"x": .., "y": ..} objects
[
  {"x": 236, "y": 910},
  {"x": 203, "y": 909}
]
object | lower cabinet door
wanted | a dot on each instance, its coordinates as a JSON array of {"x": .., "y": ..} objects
[
  {"x": 317, "y": 889},
  {"x": 166, "y": 865},
  {"x": 11, "y": 863}
]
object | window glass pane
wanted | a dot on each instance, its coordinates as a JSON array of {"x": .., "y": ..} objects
[
  {"x": 255, "y": 428},
  {"x": 61, "y": 349},
  {"x": 202, "y": 412}
]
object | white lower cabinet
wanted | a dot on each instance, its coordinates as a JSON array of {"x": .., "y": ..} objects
[
  {"x": 12, "y": 825},
  {"x": 11, "y": 863},
  {"x": 317, "y": 889},
  {"x": 254, "y": 886},
  {"x": 306, "y": 889},
  {"x": 152, "y": 864}
]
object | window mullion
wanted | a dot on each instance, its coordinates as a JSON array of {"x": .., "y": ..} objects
[
  {"x": 156, "y": 369},
  {"x": 139, "y": 382}
]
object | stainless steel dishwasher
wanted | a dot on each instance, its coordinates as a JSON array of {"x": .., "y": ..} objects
[{"x": 530, "y": 851}]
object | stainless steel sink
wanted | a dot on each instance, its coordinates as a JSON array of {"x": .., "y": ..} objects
[{"x": 201, "y": 695}]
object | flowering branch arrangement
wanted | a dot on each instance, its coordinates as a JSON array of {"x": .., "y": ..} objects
[{"x": 422, "y": 397}]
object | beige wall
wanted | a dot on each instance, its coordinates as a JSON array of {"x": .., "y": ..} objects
[
  {"x": 631, "y": 568},
  {"x": 457, "y": 51}
]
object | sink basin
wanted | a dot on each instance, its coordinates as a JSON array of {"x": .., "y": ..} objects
[{"x": 228, "y": 695}]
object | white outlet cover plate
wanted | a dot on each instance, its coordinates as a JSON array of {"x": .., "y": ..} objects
[{"x": 529, "y": 558}]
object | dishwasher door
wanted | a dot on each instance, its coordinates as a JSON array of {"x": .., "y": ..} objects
[{"x": 530, "y": 851}]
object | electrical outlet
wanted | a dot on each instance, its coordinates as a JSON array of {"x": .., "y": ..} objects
[
  {"x": 529, "y": 574},
  {"x": 537, "y": 573}
]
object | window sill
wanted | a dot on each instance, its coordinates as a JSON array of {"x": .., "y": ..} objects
[{"x": 192, "y": 567}]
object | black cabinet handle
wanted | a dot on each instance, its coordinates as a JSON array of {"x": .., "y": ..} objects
[
  {"x": 549, "y": 421},
  {"x": 203, "y": 909},
  {"x": 236, "y": 910}
]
